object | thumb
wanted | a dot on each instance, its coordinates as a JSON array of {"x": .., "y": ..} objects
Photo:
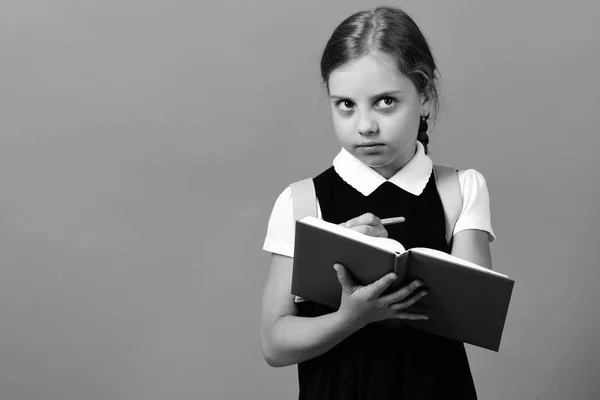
[{"x": 344, "y": 277}]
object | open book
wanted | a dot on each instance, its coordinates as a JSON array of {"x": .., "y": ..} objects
[{"x": 466, "y": 302}]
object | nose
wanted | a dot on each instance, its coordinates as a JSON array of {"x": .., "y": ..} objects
[{"x": 367, "y": 124}]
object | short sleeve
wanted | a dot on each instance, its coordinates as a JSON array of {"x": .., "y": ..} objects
[
  {"x": 281, "y": 230},
  {"x": 475, "y": 212}
]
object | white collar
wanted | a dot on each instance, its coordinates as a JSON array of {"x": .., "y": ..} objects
[{"x": 412, "y": 177}]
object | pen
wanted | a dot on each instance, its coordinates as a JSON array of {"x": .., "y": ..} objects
[{"x": 390, "y": 221}]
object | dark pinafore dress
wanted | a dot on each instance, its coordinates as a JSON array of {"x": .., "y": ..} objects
[{"x": 380, "y": 362}]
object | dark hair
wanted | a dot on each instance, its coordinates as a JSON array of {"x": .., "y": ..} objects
[{"x": 392, "y": 32}]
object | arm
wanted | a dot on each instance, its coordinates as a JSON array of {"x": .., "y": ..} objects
[
  {"x": 473, "y": 230},
  {"x": 472, "y": 245},
  {"x": 287, "y": 338}
]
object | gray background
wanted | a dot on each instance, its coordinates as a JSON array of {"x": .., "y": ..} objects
[{"x": 143, "y": 144}]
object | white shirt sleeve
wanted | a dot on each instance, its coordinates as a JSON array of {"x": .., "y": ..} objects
[
  {"x": 281, "y": 231},
  {"x": 475, "y": 212}
]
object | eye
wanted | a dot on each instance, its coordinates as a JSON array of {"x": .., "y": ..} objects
[
  {"x": 386, "y": 102},
  {"x": 345, "y": 105}
]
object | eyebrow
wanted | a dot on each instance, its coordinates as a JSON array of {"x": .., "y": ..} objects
[{"x": 383, "y": 94}]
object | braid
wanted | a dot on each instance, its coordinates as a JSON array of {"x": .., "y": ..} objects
[{"x": 422, "y": 135}]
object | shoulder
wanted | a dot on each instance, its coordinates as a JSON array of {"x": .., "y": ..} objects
[
  {"x": 282, "y": 224},
  {"x": 284, "y": 198},
  {"x": 471, "y": 179},
  {"x": 473, "y": 186},
  {"x": 471, "y": 182}
]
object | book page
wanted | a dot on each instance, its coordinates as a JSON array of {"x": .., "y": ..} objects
[
  {"x": 448, "y": 257},
  {"x": 386, "y": 244}
]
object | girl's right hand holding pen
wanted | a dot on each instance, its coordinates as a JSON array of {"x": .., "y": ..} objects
[
  {"x": 368, "y": 224},
  {"x": 362, "y": 305}
]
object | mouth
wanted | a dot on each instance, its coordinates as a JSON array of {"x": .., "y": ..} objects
[
  {"x": 370, "y": 145},
  {"x": 370, "y": 148}
]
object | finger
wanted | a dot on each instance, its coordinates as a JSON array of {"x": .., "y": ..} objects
[
  {"x": 364, "y": 229},
  {"x": 364, "y": 219},
  {"x": 369, "y": 230},
  {"x": 378, "y": 231},
  {"x": 409, "y": 302},
  {"x": 379, "y": 286},
  {"x": 344, "y": 277},
  {"x": 382, "y": 231},
  {"x": 411, "y": 316},
  {"x": 402, "y": 293}
]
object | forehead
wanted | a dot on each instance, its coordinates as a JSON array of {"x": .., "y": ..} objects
[{"x": 369, "y": 74}]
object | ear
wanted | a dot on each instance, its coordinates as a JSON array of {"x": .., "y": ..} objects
[
  {"x": 426, "y": 95},
  {"x": 425, "y": 104}
]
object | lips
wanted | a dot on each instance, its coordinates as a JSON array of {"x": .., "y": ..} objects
[
  {"x": 370, "y": 148},
  {"x": 370, "y": 144}
]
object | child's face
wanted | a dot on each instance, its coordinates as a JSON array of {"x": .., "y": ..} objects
[{"x": 376, "y": 112}]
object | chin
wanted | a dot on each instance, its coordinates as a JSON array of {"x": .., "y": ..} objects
[{"x": 375, "y": 161}]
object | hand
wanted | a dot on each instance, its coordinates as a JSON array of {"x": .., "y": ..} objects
[
  {"x": 368, "y": 224},
  {"x": 365, "y": 304}
]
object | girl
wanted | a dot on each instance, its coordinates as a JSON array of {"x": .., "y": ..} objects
[{"x": 381, "y": 79}]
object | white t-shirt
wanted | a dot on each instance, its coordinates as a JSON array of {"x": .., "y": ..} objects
[{"x": 413, "y": 178}]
